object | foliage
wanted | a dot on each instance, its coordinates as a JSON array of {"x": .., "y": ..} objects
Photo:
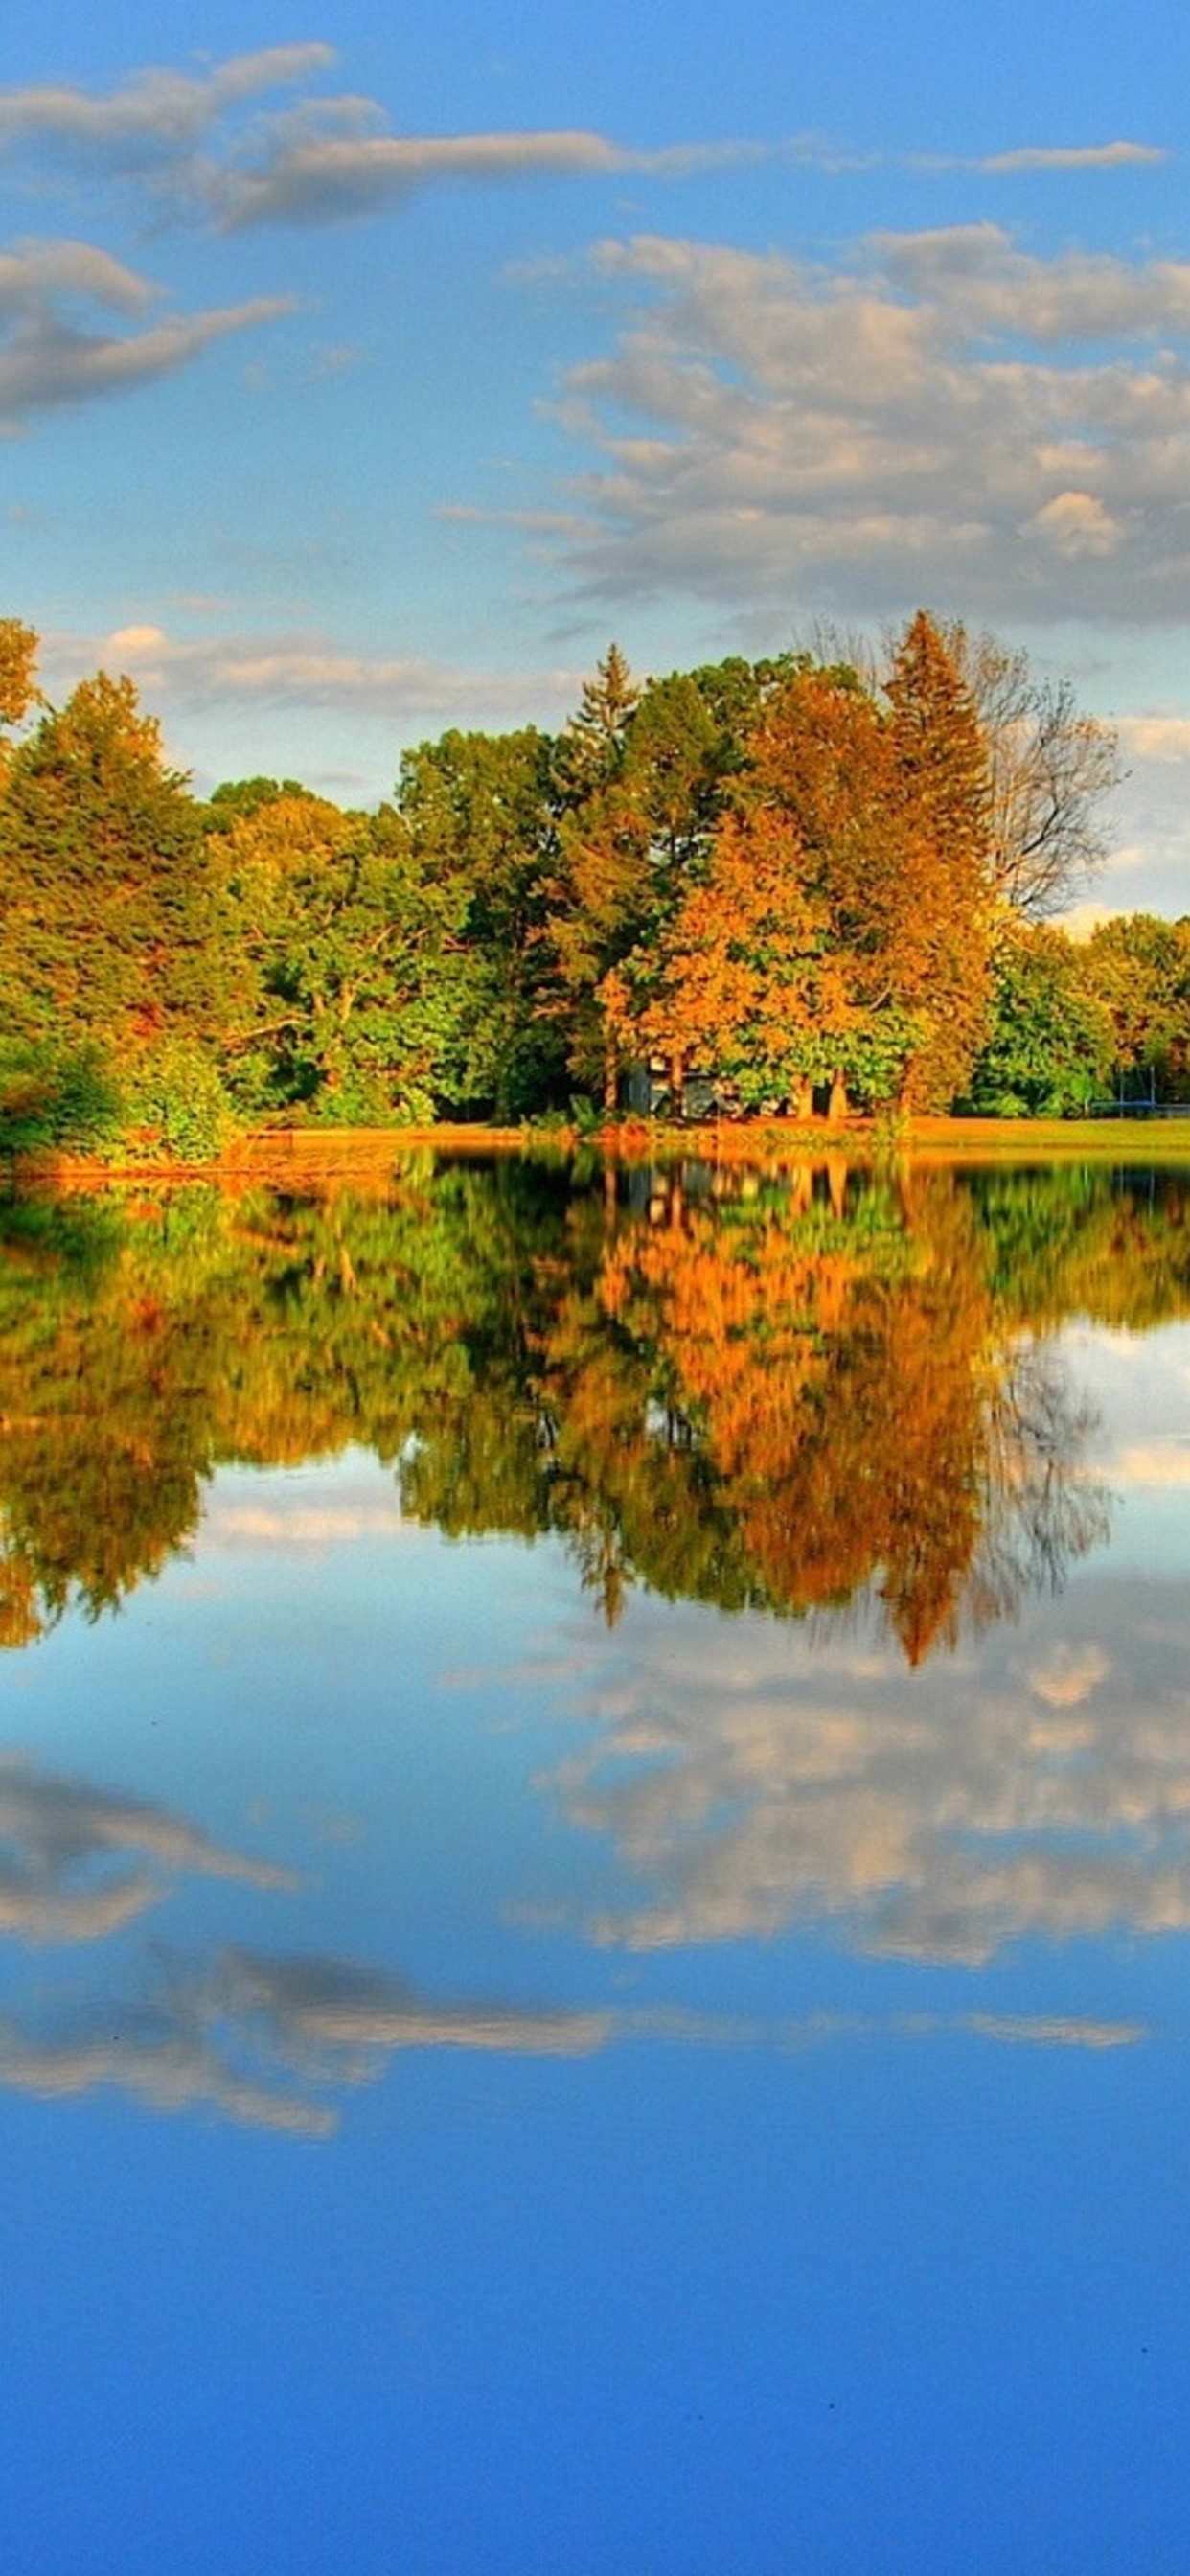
[
  {"x": 353, "y": 985},
  {"x": 478, "y": 810},
  {"x": 56, "y": 1098},
  {"x": 175, "y": 1103},
  {"x": 789, "y": 878},
  {"x": 1138, "y": 970},
  {"x": 1048, "y": 1052},
  {"x": 105, "y": 931},
  {"x": 18, "y": 662}
]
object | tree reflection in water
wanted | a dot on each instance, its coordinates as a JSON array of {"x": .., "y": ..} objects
[{"x": 784, "y": 1394}]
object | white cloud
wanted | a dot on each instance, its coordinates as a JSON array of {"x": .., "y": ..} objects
[
  {"x": 49, "y": 357},
  {"x": 316, "y": 179},
  {"x": 306, "y": 670},
  {"x": 1074, "y": 156},
  {"x": 1164, "y": 738},
  {"x": 259, "y": 2038},
  {"x": 945, "y": 416},
  {"x": 156, "y": 112},
  {"x": 1066, "y": 1679},
  {"x": 181, "y": 134},
  {"x": 1061, "y": 2031},
  {"x": 309, "y": 1529},
  {"x": 317, "y": 2004},
  {"x": 1154, "y": 1464},
  {"x": 37, "y": 272},
  {"x": 1075, "y": 523}
]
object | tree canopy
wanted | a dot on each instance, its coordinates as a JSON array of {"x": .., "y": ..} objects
[{"x": 798, "y": 882}]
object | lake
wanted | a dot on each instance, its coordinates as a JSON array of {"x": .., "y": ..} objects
[{"x": 595, "y": 1872}]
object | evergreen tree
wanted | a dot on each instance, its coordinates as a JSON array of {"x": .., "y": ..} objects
[
  {"x": 940, "y": 785},
  {"x": 106, "y": 922}
]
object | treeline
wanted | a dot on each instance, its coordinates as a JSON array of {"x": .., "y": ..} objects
[{"x": 788, "y": 885}]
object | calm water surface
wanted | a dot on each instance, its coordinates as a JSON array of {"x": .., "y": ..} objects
[{"x": 595, "y": 1875}]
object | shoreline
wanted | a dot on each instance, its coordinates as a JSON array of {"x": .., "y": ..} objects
[{"x": 281, "y": 1155}]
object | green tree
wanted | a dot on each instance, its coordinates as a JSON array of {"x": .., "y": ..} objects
[
  {"x": 356, "y": 991},
  {"x": 1048, "y": 1050},
  {"x": 479, "y": 813},
  {"x": 597, "y": 892},
  {"x": 106, "y": 925},
  {"x": 1138, "y": 968}
]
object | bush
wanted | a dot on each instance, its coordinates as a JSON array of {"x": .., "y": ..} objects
[
  {"x": 175, "y": 1102},
  {"x": 56, "y": 1099}
]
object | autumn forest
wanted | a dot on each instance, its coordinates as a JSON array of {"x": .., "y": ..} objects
[{"x": 803, "y": 886}]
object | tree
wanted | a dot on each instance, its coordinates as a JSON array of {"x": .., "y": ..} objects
[
  {"x": 939, "y": 947},
  {"x": 874, "y": 815},
  {"x": 1051, "y": 769},
  {"x": 106, "y": 922},
  {"x": 593, "y": 742},
  {"x": 1137, "y": 967},
  {"x": 598, "y": 886},
  {"x": 355, "y": 988},
  {"x": 1048, "y": 1050},
  {"x": 741, "y": 979},
  {"x": 818, "y": 767},
  {"x": 478, "y": 809},
  {"x": 18, "y": 661}
]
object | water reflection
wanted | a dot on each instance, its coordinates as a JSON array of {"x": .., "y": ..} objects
[
  {"x": 781, "y": 1395},
  {"x": 1039, "y": 1788},
  {"x": 261, "y": 2040},
  {"x": 843, "y": 1398},
  {"x": 254, "y": 2035},
  {"x": 53, "y": 1833},
  {"x": 275, "y": 2039}
]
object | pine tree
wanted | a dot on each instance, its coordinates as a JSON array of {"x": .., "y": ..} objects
[
  {"x": 105, "y": 925},
  {"x": 941, "y": 790}
]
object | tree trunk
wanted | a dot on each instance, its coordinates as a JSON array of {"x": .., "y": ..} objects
[{"x": 836, "y": 1108}]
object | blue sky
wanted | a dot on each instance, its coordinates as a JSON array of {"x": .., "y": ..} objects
[{"x": 360, "y": 376}]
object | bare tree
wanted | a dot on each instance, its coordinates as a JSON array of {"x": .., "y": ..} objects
[{"x": 1051, "y": 768}]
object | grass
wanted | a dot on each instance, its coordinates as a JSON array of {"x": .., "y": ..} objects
[{"x": 283, "y": 1156}]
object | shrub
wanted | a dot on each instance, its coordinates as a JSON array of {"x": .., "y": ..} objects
[
  {"x": 176, "y": 1103},
  {"x": 56, "y": 1099}
]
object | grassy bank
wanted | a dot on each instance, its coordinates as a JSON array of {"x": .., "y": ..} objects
[{"x": 283, "y": 1157}]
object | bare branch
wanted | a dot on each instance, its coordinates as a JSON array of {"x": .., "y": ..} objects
[{"x": 1051, "y": 769}]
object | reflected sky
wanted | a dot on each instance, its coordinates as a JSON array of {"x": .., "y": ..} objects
[{"x": 531, "y": 2037}]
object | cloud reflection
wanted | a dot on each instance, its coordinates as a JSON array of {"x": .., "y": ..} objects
[
  {"x": 1039, "y": 1788},
  {"x": 269, "y": 2042},
  {"x": 348, "y": 2014},
  {"x": 56, "y": 1830},
  {"x": 259, "y": 2039}
]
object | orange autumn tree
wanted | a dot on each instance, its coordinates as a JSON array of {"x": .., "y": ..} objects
[
  {"x": 742, "y": 978},
  {"x": 840, "y": 934},
  {"x": 18, "y": 664},
  {"x": 772, "y": 972},
  {"x": 940, "y": 947},
  {"x": 821, "y": 760}
]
